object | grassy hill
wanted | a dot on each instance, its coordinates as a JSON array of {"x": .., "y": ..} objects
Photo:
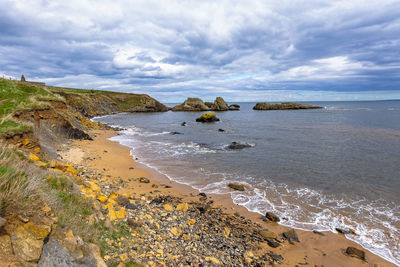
[{"x": 17, "y": 98}]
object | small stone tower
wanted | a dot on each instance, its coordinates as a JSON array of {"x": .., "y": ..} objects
[{"x": 23, "y": 78}]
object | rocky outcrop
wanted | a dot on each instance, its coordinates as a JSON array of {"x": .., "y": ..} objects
[
  {"x": 27, "y": 241},
  {"x": 234, "y": 107},
  {"x": 196, "y": 104},
  {"x": 65, "y": 249},
  {"x": 149, "y": 104},
  {"x": 191, "y": 104},
  {"x": 207, "y": 117},
  {"x": 283, "y": 106},
  {"x": 220, "y": 105}
]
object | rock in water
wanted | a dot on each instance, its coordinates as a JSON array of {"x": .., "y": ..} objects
[
  {"x": 191, "y": 104},
  {"x": 238, "y": 145},
  {"x": 220, "y": 105},
  {"x": 236, "y": 186},
  {"x": 234, "y": 107},
  {"x": 207, "y": 117},
  {"x": 221, "y": 130},
  {"x": 283, "y": 106},
  {"x": 272, "y": 217},
  {"x": 291, "y": 236},
  {"x": 183, "y": 123},
  {"x": 208, "y": 104},
  {"x": 355, "y": 252},
  {"x": 344, "y": 231}
]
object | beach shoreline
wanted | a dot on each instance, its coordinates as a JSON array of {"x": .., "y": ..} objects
[{"x": 117, "y": 163}]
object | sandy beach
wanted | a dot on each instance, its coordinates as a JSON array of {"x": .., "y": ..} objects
[{"x": 116, "y": 163}]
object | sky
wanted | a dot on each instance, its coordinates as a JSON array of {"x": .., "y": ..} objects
[{"x": 250, "y": 50}]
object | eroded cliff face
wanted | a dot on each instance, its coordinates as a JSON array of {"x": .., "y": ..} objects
[{"x": 65, "y": 114}]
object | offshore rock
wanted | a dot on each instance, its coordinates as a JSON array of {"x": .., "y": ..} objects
[
  {"x": 283, "y": 106},
  {"x": 207, "y": 117},
  {"x": 234, "y": 107},
  {"x": 220, "y": 105},
  {"x": 191, "y": 104}
]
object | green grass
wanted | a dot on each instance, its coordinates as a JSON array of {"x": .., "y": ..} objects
[{"x": 10, "y": 127}]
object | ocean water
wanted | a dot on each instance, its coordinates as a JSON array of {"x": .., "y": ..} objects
[{"x": 317, "y": 169}]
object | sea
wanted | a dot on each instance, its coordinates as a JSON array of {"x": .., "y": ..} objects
[{"x": 321, "y": 169}]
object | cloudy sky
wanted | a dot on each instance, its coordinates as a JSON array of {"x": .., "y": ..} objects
[{"x": 242, "y": 50}]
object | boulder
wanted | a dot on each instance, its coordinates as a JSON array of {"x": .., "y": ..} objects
[
  {"x": 234, "y": 107},
  {"x": 192, "y": 104},
  {"x": 268, "y": 234},
  {"x": 27, "y": 241},
  {"x": 345, "y": 231},
  {"x": 144, "y": 180},
  {"x": 238, "y": 145},
  {"x": 355, "y": 252},
  {"x": 272, "y": 217},
  {"x": 220, "y": 105},
  {"x": 207, "y": 117},
  {"x": 236, "y": 186},
  {"x": 272, "y": 243},
  {"x": 291, "y": 236},
  {"x": 283, "y": 106},
  {"x": 55, "y": 254},
  {"x": 123, "y": 201}
]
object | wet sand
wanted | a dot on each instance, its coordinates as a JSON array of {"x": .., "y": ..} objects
[{"x": 115, "y": 161}]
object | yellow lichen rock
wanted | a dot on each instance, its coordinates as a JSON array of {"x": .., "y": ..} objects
[
  {"x": 213, "y": 260},
  {"x": 94, "y": 187},
  {"x": 121, "y": 213},
  {"x": 71, "y": 170},
  {"x": 102, "y": 198},
  {"x": 111, "y": 212},
  {"x": 123, "y": 257},
  {"x": 191, "y": 222},
  {"x": 182, "y": 207},
  {"x": 33, "y": 157},
  {"x": 168, "y": 207}
]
